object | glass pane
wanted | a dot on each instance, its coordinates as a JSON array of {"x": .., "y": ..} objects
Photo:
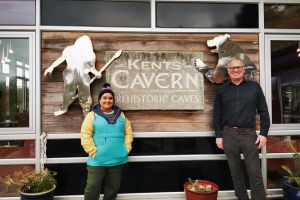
[
  {"x": 207, "y": 15},
  {"x": 96, "y": 13},
  {"x": 147, "y": 177},
  {"x": 17, "y": 149},
  {"x": 72, "y": 148},
  {"x": 275, "y": 173},
  {"x": 17, "y": 12},
  {"x": 71, "y": 178},
  {"x": 282, "y": 16},
  {"x": 285, "y": 71},
  {"x": 141, "y": 146},
  {"x": 11, "y": 190},
  {"x": 279, "y": 144},
  {"x": 174, "y": 146},
  {"x": 14, "y": 90},
  {"x": 27, "y": 74},
  {"x": 170, "y": 176},
  {"x": 19, "y": 71}
]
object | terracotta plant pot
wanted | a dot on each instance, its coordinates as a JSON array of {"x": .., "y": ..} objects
[{"x": 191, "y": 195}]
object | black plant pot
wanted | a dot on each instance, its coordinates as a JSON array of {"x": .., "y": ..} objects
[
  {"x": 48, "y": 195},
  {"x": 290, "y": 192}
]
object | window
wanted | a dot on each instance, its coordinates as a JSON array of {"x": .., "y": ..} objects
[
  {"x": 95, "y": 13},
  {"x": 174, "y": 146},
  {"x": 17, "y": 149},
  {"x": 16, "y": 81},
  {"x": 17, "y": 12},
  {"x": 206, "y": 15},
  {"x": 138, "y": 177},
  {"x": 282, "y": 16},
  {"x": 141, "y": 146},
  {"x": 279, "y": 144},
  {"x": 11, "y": 190},
  {"x": 285, "y": 81}
]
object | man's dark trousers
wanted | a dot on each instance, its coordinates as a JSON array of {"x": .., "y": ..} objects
[{"x": 236, "y": 142}]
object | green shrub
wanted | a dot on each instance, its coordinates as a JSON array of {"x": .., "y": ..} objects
[
  {"x": 196, "y": 186},
  {"x": 293, "y": 176},
  {"x": 31, "y": 181}
]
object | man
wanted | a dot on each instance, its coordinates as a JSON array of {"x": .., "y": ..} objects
[{"x": 236, "y": 105}]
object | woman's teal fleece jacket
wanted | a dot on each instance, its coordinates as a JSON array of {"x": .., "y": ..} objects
[{"x": 107, "y": 141}]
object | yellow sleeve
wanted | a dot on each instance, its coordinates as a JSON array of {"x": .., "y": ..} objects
[
  {"x": 128, "y": 134},
  {"x": 86, "y": 136}
]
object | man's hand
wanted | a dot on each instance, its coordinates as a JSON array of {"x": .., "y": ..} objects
[
  {"x": 219, "y": 142},
  {"x": 261, "y": 141}
]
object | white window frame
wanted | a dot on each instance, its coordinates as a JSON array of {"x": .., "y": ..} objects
[
  {"x": 32, "y": 81},
  {"x": 268, "y": 39}
]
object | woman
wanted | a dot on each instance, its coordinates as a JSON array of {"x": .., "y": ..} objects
[{"x": 106, "y": 135}]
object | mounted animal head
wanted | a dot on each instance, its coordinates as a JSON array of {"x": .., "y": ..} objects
[{"x": 227, "y": 50}]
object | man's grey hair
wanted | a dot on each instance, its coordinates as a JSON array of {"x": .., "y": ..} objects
[{"x": 235, "y": 58}]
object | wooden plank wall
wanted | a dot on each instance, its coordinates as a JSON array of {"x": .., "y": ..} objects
[{"x": 53, "y": 44}]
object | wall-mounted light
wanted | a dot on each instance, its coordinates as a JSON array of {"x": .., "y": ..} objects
[
  {"x": 10, "y": 49},
  {"x": 19, "y": 63},
  {"x": 3, "y": 57},
  {"x": 6, "y": 57}
]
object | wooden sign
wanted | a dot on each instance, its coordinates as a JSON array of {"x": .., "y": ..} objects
[{"x": 156, "y": 80}]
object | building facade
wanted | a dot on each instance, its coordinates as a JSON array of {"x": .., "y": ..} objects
[{"x": 169, "y": 146}]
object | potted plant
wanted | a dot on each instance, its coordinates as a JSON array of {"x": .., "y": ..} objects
[
  {"x": 33, "y": 184},
  {"x": 200, "y": 190},
  {"x": 291, "y": 182}
]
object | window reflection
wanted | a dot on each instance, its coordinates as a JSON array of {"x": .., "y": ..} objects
[
  {"x": 279, "y": 144},
  {"x": 174, "y": 146},
  {"x": 11, "y": 190},
  {"x": 14, "y": 82},
  {"x": 17, "y": 149},
  {"x": 17, "y": 12},
  {"x": 206, "y": 15},
  {"x": 139, "y": 177},
  {"x": 141, "y": 146},
  {"x": 96, "y": 13},
  {"x": 285, "y": 70},
  {"x": 72, "y": 148},
  {"x": 275, "y": 173},
  {"x": 282, "y": 15}
]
